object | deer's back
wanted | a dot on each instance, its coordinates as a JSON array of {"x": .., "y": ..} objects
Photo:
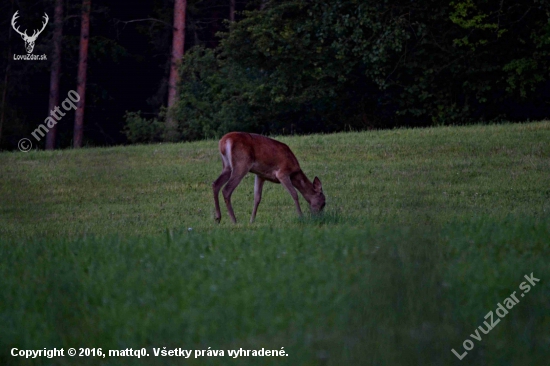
[{"x": 263, "y": 155}]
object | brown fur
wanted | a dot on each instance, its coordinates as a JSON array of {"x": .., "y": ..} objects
[{"x": 270, "y": 160}]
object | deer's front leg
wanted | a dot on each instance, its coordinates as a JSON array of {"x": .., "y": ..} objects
[
  {"x": 258, "y": 185},
  {"x": 285, "y": 181}
]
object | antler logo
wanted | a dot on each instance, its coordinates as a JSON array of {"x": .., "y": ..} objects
[{"x": 29, "y": 40}]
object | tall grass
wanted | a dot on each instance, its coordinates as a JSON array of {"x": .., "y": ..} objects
[{"x": 426, "y": 231}]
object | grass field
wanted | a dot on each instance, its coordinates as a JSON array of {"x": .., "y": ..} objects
[{"x": 425, "y": 232}]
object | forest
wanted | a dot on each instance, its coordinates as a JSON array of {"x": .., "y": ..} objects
[
  {"x": 427, "y": 122},
  {"x": 166, "y": 70}
]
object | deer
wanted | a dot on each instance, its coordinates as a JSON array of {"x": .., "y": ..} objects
[
  {"x": 29, "y": 40},
  {"x": 270, "y": 160}
]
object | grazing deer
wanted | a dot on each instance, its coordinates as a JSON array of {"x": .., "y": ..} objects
[{"x": 270, "y": 160}]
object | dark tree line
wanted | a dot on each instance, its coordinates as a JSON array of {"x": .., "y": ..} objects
[
  {"x": 127, "y": 64},
  {"x": 304, "y": 66},
  {"x": 293, "y": 66}
]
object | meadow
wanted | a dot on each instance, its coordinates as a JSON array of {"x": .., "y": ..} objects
[{"x": 425, "y": 231}]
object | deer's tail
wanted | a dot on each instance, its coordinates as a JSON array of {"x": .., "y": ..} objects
[{"x": 225, "y": 151}]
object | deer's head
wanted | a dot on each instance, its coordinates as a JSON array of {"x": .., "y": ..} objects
[
  {"x": 29, "y": 40},
  {"x": 317, "y": 200}
]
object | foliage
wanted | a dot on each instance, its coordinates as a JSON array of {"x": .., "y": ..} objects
[
  {"x": 139, "y": 129},
  {"x": 333, "y": 65},
  {"x": 214, "y": 97}
]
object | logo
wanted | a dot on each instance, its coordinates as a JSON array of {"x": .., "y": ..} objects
[{"x": 29, "y": 40}]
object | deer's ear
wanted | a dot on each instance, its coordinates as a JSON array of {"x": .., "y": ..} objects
[{"x": 317, "y": 185}]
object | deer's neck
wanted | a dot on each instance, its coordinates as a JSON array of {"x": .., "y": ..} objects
[{"x": 303, "y": 185}]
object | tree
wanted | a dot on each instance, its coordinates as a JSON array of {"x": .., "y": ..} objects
[
  {"x": 178, "y": 42},
  {"x": 333, "y": 65},
  {"x": 55, "y": 69},
  {"x": 6, "y": 79},
  {"x": 81, "y": 78},
  {"x": 231, "y": 10}
]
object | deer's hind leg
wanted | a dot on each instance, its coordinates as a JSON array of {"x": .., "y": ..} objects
[
  {"x": 218, "y": 184},
  {"x": 237, "y": 174}
]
